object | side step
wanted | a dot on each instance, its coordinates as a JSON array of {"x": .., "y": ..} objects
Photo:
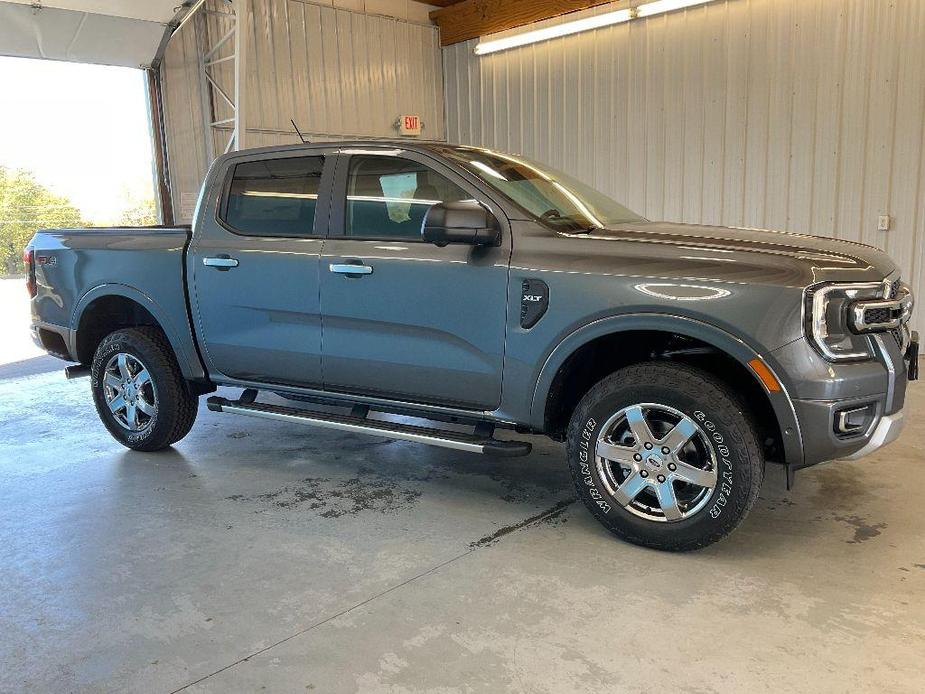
[{"x": 473, "y": 443}]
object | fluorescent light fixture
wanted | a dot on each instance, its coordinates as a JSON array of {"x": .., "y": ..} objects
[
  {"x": 585, "y": 24},
  {"x": 577, "y": 203},
  {"x": 387, "y": 198},
  {"x": 579, "y": 25},
  {"x": 380, "y": 152},
  {"x": 660, "y": 6},
  {"x": 482, "y": 166},
  {"x": 274, "y": 194}
]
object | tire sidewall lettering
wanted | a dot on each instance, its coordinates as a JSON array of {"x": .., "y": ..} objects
[
  {"x": 724, "y": 483},
  {"x": 586, "y": 440}
]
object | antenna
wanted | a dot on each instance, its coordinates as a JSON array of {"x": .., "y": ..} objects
[{"x": 299, "y": 132}]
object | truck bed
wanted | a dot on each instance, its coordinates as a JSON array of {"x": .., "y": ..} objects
[{"x": 144, "y": 264}]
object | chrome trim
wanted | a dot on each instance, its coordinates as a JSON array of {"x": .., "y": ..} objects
[
  {"x": 890, "y": 370},
  {"x": 818, "y": 328},
  {"x": 841, "y": 420},
  {"x": 903, "y": 305},
  {"x": 905, "y": 333},
  {"x": 348, "y": 269},
  {"x": 220, "y": 262},
  {"x": 358, "y": 429},
  {"x": 888, "y": 430}
]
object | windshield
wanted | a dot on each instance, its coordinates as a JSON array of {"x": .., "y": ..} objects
[{"x": 551, "y": 196}]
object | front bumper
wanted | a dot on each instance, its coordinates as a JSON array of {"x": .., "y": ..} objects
[
  {"x": 822, "y": 390},
  {"x": 888, "y": 430}
]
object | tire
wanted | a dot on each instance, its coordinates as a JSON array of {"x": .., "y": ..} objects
[
  {"x": 157, "y": 407},
  {"x": 645, "y": 494}
]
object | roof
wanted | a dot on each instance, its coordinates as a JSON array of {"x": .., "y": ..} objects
[
  {"x": 105, "y": 32},
  {"x": 371, "y": 143}
]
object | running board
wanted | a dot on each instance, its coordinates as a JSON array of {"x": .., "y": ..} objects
[{"x": 473, "y": 443}]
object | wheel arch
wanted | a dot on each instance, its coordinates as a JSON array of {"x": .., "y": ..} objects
[
  {"x": 602, "y": 346},
  {"x": 109, "y": 307}
]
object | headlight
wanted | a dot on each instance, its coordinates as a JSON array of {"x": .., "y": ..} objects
[{"x": 827, "y": 319}]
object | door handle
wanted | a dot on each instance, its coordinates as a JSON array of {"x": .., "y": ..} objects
[
  {"x": 350, "y": 269},
  {"x": 222, "y": 262}
]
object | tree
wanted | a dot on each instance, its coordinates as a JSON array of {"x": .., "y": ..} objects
[
  {"x": 25, "y": 207},
  {"x": 141, "y": 212}
]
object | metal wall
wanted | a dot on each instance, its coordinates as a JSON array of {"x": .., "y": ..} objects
[
  {"x": 336, "y": 72},
  {"x": 805, "y": 115}
]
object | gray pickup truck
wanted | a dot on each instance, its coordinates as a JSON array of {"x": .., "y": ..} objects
[{"x": 469, "y": 287}]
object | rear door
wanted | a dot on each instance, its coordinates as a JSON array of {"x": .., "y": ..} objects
[
  {"x": 253, "y": 268},
  {"x": 415, "y": 322}
]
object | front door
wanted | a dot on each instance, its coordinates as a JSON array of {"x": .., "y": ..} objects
[
  {"x": 404, "y": 319},
  {"x": 253, "y": 269}
]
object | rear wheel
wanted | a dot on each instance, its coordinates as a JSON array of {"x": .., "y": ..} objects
[
  {"x": 665, "y": 456},
  {"x": 139, "y": 392}
]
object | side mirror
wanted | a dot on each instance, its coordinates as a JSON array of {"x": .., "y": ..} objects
[{"x": 465, "y": 221}]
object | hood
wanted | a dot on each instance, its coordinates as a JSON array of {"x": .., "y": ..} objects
[{"x": 826, "y": 259}]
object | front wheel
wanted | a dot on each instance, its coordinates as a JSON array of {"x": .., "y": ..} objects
[
  {"x": 664, "y": 456},
  {"x": 139, "y": 392}
]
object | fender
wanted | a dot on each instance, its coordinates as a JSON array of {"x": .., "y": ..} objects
[
  {"x": 781, "y": 402},
  {"x": 181, "y": 342}
]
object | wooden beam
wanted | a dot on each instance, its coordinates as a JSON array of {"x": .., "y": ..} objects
[
  {"x": 438, "y": 3},
  {"x": 470, "y": 19}
]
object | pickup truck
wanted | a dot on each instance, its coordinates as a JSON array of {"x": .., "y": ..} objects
[{"x": 473, "y": 288}]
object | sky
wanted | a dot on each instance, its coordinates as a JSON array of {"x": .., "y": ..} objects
[{"x": 81, "y": 129}]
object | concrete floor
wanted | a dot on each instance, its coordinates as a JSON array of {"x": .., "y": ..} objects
[
  {"x": 263, "y": 556},
  {"x": 18, "y": 355}
]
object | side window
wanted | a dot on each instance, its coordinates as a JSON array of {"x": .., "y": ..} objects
[
  {"x": 388, "y": 197},
  {"x": 274, "y": 197}
]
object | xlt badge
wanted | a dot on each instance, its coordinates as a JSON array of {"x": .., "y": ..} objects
[{"x": 534, "y": 300}]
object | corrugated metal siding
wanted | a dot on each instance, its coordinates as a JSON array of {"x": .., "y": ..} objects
[
  {"x": 806, "y": 115},
  {"x": 186, "y": 145},
  {"x": 337, "y": 72}
]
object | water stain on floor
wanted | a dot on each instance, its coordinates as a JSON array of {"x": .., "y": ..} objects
[
  {"x": 336, "y": 498},
  {"x": 550, "y": 515},
  {"x": 863, "y": 530}
]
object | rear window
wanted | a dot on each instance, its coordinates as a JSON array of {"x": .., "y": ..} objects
[{"x": 274, "y": 197}]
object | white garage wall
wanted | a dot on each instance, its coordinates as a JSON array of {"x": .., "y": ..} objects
[
  {"x": 340, "y": 71},
  {"x": 806, "y": 115}
]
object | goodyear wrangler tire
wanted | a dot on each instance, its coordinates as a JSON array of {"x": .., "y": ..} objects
[
  {"x": 665, "y": 456},
  {"x": 140, "y": 394}
]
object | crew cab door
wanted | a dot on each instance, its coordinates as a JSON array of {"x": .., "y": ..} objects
[
  {"x": 253, "y": 267},
  {"x": 404, "y": 319}
]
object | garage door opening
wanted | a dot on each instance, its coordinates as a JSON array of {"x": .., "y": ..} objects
[{"x": 75, "y": 149}]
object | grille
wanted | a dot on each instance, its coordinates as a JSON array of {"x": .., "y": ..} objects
[
  {"x": 877, "y": 315},
  {"x": 894, "y": 289},
  {"x": 898, "y": 336}
]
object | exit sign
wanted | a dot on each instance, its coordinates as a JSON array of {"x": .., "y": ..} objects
[{"x": 409, "y": 126}]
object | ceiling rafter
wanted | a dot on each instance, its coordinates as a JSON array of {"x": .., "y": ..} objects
[
  {"x": 470, "y": 19},
  {"x": 438, "y": 3}
]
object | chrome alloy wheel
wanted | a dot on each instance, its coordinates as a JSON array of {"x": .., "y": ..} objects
[
  {"x": 656, "y": 462},
  {"x": 129, "y": 392}
]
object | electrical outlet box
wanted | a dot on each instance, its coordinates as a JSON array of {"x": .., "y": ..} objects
[{"x": 883, "y": 222}]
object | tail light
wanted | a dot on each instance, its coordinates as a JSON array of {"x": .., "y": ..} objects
[{"x": 28, "y": 260}]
